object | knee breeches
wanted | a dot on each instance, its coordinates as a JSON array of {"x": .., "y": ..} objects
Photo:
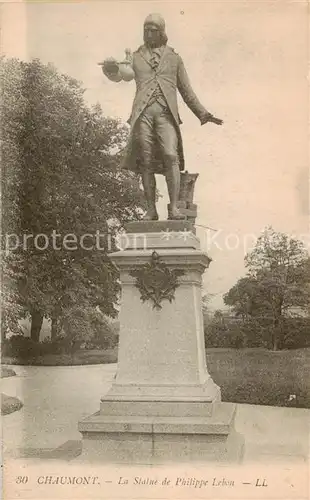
[{"x": 156, "y": 131}]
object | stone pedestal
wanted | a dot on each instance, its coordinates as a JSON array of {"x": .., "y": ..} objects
[{"x": 163, "y": 405}]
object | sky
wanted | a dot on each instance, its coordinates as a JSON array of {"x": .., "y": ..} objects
[{"x": 247, "y": 62}]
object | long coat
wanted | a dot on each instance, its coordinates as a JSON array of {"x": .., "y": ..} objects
[{"x": 171, "y": 75}]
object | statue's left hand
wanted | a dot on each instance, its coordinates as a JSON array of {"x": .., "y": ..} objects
[{"x": 208, "y": 117}]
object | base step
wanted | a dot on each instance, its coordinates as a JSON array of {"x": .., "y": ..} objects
[{"x": 142, "y": 439}]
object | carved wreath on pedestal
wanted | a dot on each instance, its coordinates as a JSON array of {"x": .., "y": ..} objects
[{"x": 156, "y": 281}]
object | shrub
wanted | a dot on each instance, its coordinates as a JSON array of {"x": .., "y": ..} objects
[
  {"x": 59, "y": 345},
  {"x": 89, "y": 328},
  {"x": 296, "y": 332},
  {"x": 7, "y": 372},
  {"x": 20, "y": 347},
  {"x": 220, "y": 335},
  {"x": 9, "y": 404},
  {"x": 257, "y": 333},
  {"x": 105, "y": 334}
]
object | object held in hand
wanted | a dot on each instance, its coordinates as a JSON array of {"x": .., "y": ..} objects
[
  {"x": 110, "y": 65},
  {"x": 125, "y": 67},
  {"x": 118, "y": 70},
  {"x": 110, "y": 69}
]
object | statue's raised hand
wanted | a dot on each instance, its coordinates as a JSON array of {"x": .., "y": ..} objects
[
  {"x": 111, "y": 64},
  {"x": 118, "y": 70},
  {"x": 110, "y": 68}
]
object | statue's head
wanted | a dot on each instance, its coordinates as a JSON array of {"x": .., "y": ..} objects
[{"x": 154, "y": 31}]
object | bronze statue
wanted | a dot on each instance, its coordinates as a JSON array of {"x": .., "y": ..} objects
[{"x": 155, "y": 143}]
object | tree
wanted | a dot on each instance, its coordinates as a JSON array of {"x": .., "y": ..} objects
[
  {"x": 60, "y": 177},
  {"x": 276, "y": 284},
  {"x": 206, "y": 298},
  {"x": 244, "y": 297}
]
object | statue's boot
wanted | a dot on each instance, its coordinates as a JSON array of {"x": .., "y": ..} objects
[
  {"x": 149, "y": 186},
  {"x": 173, "y": 184},
  {"x": 174, "y": 213},
  {"x": 151, "y": 214}
]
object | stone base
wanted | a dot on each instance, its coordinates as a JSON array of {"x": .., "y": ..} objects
[
  {"x": 163, "y": 405},
  {"x": 207, "y": 392},
  {"x": 176, "y": 432}
]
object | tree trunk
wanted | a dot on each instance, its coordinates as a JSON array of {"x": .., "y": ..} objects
[
  {"x": 275, "y": 335},
  {"x": 275, "y": 341},
  {"x": 280, "y": 336},
  {"x": 3, "y": 327},
  {"x": 54, "y": 328},
  {"x": 36, "y": 325},
  {"x": 277, "y": 327}
]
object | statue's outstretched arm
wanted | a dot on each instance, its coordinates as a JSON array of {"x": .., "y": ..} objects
[
  {"x": 118, "y": 71},
  {"x": 190, "y": 98}
]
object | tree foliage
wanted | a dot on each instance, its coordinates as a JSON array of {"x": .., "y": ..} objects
[
  {"x": 276, "y": 285},
  {"x": 60, "y": 176}
]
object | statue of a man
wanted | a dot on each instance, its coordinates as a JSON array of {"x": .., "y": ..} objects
[{"x": 155, "y": 143}]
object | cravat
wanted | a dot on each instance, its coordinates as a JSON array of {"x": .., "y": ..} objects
[{"x": 155, "y": 58}]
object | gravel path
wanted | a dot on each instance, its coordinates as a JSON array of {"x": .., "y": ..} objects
[{"x": 56, "y": 398}]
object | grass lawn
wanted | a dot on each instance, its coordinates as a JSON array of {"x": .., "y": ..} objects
[
  {"x": 258, "y": 376},
  {"x": 254, "y": 376}
]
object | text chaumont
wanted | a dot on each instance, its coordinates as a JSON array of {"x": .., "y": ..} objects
[{"x": 79, "y": 480}]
